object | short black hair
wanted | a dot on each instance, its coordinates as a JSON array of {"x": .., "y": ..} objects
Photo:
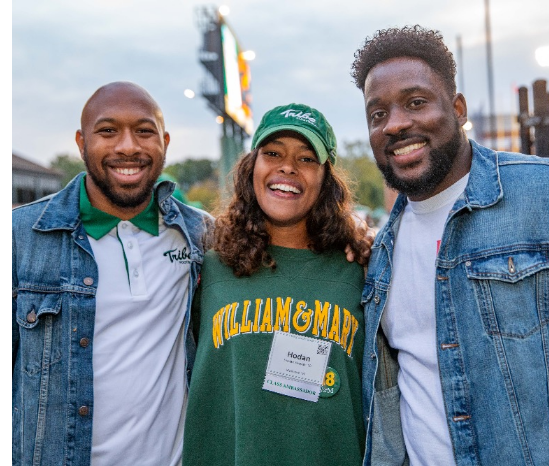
[{"x": 408, "y": 41}]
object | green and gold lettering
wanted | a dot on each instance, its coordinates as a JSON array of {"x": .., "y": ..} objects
[
  {"x": 322, "y": 315},
  {"x": 282, "y": 320},
  {"x": 246, "y": 325},
  {"x": 334, "y": 329},
  {"x": 218, "y": 328},
  {"x": 227, "y": 316},
  {"x": 258, "y": 304},
  {"x": 355, "y": 328},
  {"x": 302, "y": 313},
  {"x": 235, "y": 327},
  {"x": 346, "y": 328},
  {"x": 267, "y": 321}
]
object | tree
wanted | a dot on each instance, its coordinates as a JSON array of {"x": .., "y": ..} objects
[
  {"x": 206, "y": 192},
  {"x": 69, "y": 165},
  {"x": 357, "y": 161},
  {"x": 192, "y": 171}
]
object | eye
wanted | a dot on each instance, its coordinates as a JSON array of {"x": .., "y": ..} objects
[
  {"x": 146, "y": 131},
  {"x": 106, "y": 130},
  {"x": 308, "y": 159},
  {"x": 270, "y": 153},
  {"x": 415, "y": 103},
  {"x": 378, "y": 115}
]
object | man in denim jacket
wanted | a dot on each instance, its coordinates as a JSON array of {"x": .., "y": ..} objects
[
  {"x": 456, "y": 298},
  {"x": 103, "y": 276}
]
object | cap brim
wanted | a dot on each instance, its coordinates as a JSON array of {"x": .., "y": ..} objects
[{"x": 316, "y": 142}]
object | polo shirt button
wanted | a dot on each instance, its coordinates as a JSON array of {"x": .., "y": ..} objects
[
  {"x": 130, "y": 245},
  {"x": 136, "y": 273},
  {"x": 31, "y": 317},
  {"x": 124, "y": 225},
  {"x": 88, "y": 281},
  {"x": 84, "y": 342},
  {"x": 83, "y": 410}
]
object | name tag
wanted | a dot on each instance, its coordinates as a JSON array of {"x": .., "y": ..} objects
[{"x": 297, "y": 366}]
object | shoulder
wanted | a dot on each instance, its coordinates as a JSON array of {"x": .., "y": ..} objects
[
  {"x": 196, "y": 220},
  {"x": 213, "y": 270},
  {"x": 505, "y": 158},
  {"x": 331, "y": 267},
  {"x": 29, "y": 213}
]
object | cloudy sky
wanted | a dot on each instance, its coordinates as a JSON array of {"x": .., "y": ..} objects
[{"x": 62, "y": 50}]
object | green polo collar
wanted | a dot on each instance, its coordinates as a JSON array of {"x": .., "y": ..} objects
[{"x": 98, "y": 223}]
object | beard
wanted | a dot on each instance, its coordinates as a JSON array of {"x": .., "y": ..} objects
[
  {"x": 441, "y": 161},
  {"x": 129, "y": 196}
]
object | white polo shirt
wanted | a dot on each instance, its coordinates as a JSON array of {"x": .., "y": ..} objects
[{"x": 138, "y": 346}]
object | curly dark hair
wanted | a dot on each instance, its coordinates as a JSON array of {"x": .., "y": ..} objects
[
  {"x": 409, "y": 41},
  {"x": 241, "y": 238}
]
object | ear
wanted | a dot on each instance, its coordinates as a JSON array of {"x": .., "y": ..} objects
[
  {"x": 166, "y": 139},
  {"x": 460, "y": 108},
  {"x": 80, "y": 142}
]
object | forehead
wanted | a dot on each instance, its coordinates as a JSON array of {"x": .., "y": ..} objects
[
  {"x": 121, "y": 104},
  {"x": 400, "y": 75}
]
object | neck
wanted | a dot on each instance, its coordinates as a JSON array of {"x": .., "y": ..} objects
[{"x": 291, "y": 236}]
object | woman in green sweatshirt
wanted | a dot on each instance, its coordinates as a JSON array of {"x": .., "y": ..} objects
[{"x": 278, "y": 319}]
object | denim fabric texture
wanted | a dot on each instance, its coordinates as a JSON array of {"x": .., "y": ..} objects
[
  {"x": 54, "y": 279},
  {"x": 492, "y": 320}
]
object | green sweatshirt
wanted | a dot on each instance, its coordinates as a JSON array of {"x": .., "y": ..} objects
[{"x": 231, "y": 419}]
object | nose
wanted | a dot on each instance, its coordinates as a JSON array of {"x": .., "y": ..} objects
[
  {"x": 288, "y": 165},
  {"x": 127, "y": 143},
  {"x": 397, "y": 121}
]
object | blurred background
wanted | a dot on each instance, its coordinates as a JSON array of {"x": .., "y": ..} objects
[{"x": 215, "y": 69}]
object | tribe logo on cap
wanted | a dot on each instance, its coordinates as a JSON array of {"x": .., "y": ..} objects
[
  {"x": 302, "y": 116},
  {"x": 304, "y": 120}
]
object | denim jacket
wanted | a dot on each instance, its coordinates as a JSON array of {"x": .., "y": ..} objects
[
  {"x": 54, "y": 287},
  {"x": 492, "y": 320}
]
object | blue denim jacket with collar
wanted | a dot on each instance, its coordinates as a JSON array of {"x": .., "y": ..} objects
[
  {"x": 492, "y": 320},
  {"x": 54, "y": 287}
]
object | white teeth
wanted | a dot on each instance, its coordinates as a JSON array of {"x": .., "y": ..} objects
[
  {"x": 127, "y": 171},
  {"x": 410, "y": 148},
  {"x": 286, "y": 188}
]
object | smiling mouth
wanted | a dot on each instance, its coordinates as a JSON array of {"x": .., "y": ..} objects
[
  {"x": 408, "y": 149},
  {"x": 128, "y": 171},
  {"x": 285, "y": 188}
]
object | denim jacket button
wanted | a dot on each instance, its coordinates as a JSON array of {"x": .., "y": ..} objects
[
  {"x": 83, "y": 410},
  {"x": 88, "y": 281},
  {"x": 84, "y": 342},
  {"x": 31, "y": 317},
  {"x": 377, "y": 299}
]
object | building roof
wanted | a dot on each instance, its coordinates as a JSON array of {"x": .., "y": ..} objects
[{"x": 21, "y": 164}]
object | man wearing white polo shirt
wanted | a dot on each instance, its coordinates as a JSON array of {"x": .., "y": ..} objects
[{"x": 103, "y": 277}]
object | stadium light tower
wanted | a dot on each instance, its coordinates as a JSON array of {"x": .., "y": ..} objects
[{"x": 226, "y": 86}]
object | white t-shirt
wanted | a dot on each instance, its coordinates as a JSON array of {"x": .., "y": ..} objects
[
  {"x": 410, "y": 326},
  {"x": 138, "y": 347}
]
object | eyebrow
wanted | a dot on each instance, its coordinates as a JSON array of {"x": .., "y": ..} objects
[
  {"x": 303, "y": 146},
  {"x": 408, "y": 90},
  {"x": 113, "y": 120}
]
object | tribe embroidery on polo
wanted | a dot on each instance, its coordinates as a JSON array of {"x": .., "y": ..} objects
[
  {"x": 178, "y": 255},
  {"x": 322, "y": 320},
  {"x": 300, "y": 116}
]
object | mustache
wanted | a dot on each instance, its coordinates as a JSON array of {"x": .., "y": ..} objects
[
  {"x": 122, "y": 162},
  {"x": 394, "y": 138}
]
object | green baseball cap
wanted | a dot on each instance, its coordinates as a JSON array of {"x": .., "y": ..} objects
[{"x": 304, "y": 120}]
